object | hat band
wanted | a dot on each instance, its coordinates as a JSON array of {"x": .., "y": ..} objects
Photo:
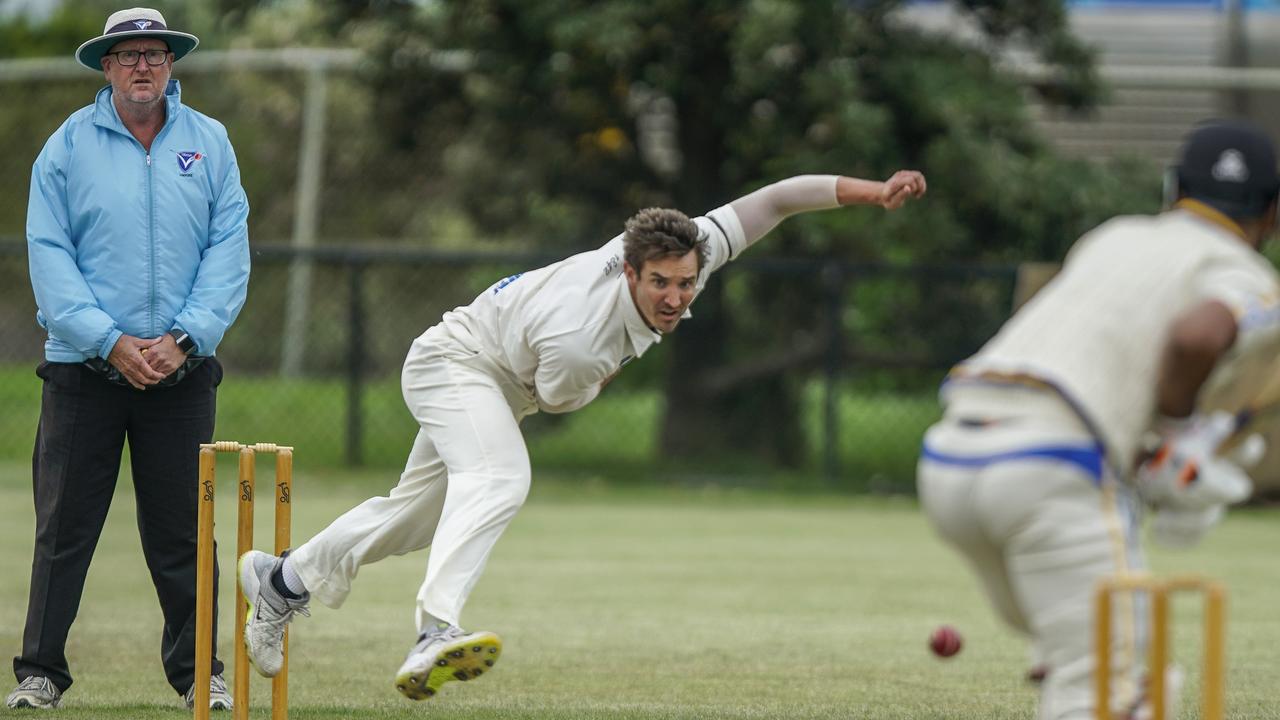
[{"x": 136, "y": 25}]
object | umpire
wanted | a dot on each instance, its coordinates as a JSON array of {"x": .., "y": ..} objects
[{"x": 139, "y": 259}]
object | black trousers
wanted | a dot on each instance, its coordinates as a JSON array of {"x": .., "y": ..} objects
[{"x": 84, "y": 422}]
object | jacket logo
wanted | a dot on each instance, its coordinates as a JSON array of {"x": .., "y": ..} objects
[
  {"x": 187, "y": 158},
  {"x": 142, "y": 24}
]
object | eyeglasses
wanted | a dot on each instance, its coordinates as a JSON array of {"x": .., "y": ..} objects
[{"x": 129, "y": 58}]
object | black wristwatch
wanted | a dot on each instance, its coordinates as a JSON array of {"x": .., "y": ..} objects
[{"x": 185, "y": 343}]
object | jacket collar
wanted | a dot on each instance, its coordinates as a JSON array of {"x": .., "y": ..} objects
[{"x": 105, "y": 115}]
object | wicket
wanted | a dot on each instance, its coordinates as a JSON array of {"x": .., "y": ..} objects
[
  {"x": 1213, "y": 699},
  {"x": 244, "y": 543}
]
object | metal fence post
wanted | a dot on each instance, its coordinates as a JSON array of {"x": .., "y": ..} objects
[
  {"x": 306, "y": 221},
  {"x": 833, "y": 282},
  {"x": 355, "y": 362}
]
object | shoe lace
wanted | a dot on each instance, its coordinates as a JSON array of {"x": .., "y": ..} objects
[
  {"x": 436, "y": 635},
  {"x": 277, "y": 618},
  {"x": 217, "y": 685},
  {"x": 36, "y": 682}
]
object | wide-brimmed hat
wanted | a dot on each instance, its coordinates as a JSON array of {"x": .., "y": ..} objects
[
  {"x": 134, "y": 23},
  {"x": 1230, "y": 165}
]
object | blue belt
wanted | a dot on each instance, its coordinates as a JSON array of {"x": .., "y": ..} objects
[{"x": 1089, "y": 459}]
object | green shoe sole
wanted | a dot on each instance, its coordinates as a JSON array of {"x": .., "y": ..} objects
[{"x": 463, "y": 659}]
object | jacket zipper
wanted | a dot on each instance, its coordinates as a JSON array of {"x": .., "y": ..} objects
[
  {"x": 151, "y": 219},
  {"x": 151, "y": 242}
]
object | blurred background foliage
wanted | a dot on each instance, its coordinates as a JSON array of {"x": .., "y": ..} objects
[{"x": 517, "y": 127}]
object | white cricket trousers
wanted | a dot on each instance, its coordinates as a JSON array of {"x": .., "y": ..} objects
[
  {"x": 1013, "y": 480},
  {"x": 466, "y": 476}
]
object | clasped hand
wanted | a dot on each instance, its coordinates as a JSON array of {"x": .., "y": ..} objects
[{"x": 146, "y": 362}]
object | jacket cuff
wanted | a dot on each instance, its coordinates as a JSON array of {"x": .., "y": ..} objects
[{"x": 112, "y": 338}]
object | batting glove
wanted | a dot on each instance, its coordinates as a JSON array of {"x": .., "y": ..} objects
[
  {"x": 1184, "y": 528},
  {"x": 1186, "y": 473}
]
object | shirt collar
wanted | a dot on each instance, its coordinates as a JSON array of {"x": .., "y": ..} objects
[
  {"x": 1203, "y": 211},
  {"x": 641, "y": 335}
]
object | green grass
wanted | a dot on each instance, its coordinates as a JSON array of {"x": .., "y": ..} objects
[
  {"x": 878, "y": 433},
  {"x": 20, "y": 398},
  {"x": 642, "y": 603}
]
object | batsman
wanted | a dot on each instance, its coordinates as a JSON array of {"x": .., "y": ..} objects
[
  {"x": 546, "y": 340},
  {"x": 1090, "y": 406}
]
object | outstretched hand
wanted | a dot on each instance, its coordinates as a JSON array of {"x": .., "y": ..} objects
[{"x": 900, "y": 187}]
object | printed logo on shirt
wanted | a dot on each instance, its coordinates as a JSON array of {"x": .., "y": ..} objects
[
  {"x": 186, "y": 159},
  {"x": 611, "y": 265},
  {"x": 506, "y": 281}
]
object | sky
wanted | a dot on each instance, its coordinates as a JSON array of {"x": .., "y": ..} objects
[{"x": 35, "y": 9}]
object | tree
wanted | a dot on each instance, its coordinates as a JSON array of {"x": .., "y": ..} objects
[{"x": 556, "y": 120}]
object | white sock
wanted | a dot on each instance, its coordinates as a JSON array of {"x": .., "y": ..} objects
[
  {"x": 435, "y": 623},
  {"x": 291, "y": 579}
]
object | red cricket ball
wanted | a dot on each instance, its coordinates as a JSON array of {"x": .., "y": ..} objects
[{"x": 945, "y": 641}]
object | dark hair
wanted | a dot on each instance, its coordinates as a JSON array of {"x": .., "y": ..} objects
[{"x": 661, "y": 232}]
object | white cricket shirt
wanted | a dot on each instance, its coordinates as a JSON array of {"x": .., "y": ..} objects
[
  {"x": 1096, "y": 332},
  {"x": 559, "y": 331}
]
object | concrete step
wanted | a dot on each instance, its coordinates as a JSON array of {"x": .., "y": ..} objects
[
  {"x": 1159, "y": 151},
  {"x": 1116, "y": 132},
  {"x": 1145, "y": 122},
  {"x": 1183, "y": 113}
]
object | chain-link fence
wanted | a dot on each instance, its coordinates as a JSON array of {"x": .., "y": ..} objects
[
  {"x": 824, "y": 371},
  {"x": 855, "y": 351}
]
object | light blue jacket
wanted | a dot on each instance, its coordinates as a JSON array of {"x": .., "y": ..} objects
[{"x": 122, "y": 241}]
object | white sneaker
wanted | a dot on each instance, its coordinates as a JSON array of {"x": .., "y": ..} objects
[
  {"x": 269, "y": 612},
  {"x": 36, "y": 691},
  {"x": 1173, "y": 681},
  {"x": 219, "y": 696},
  {"x": 444, "y": 654}
]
